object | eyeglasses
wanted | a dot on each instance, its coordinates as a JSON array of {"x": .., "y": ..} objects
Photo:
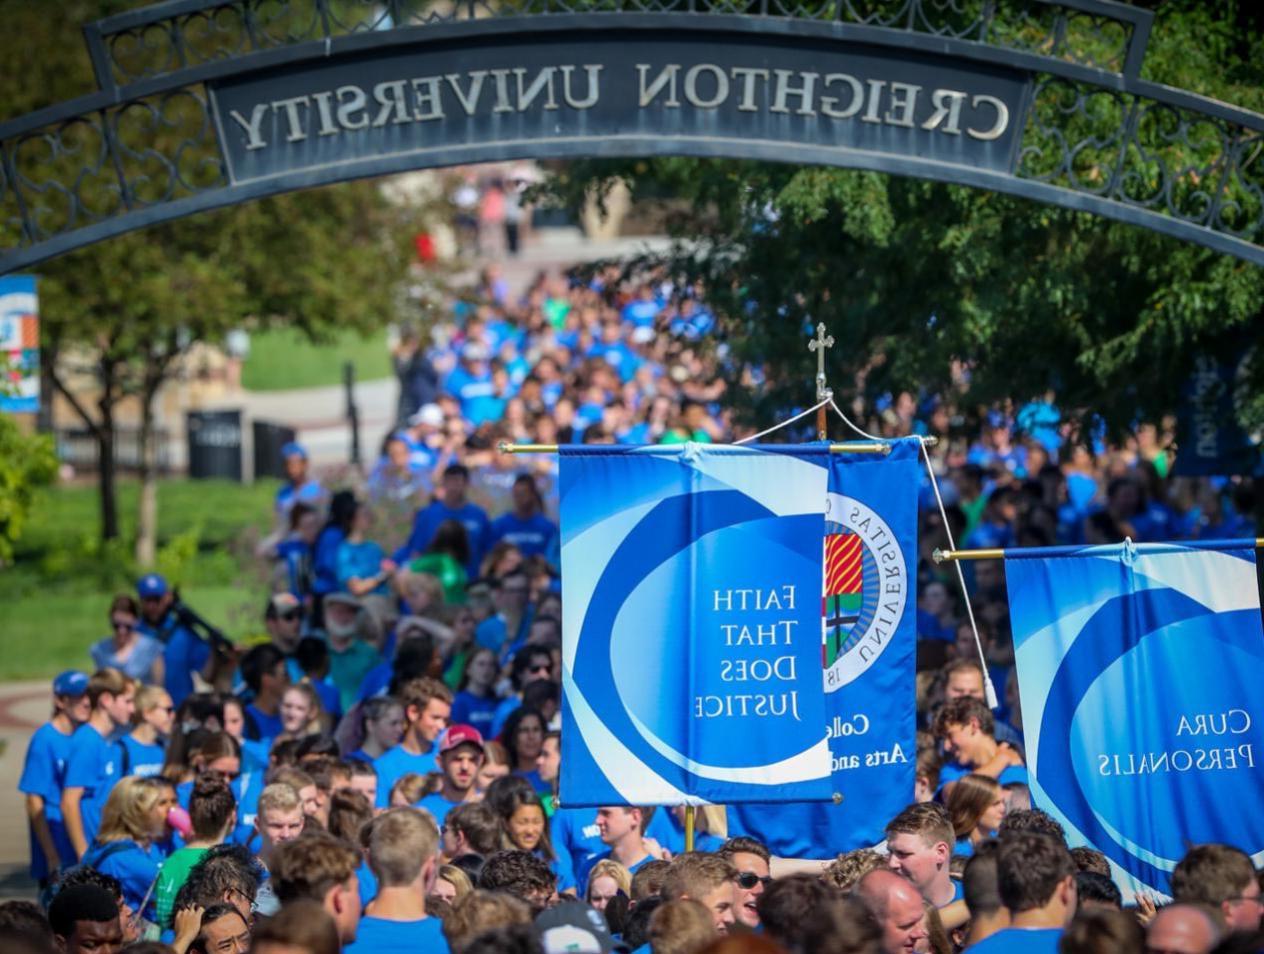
[{"x": 748, "y": 879}]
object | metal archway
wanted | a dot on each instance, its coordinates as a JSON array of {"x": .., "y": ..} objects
[{"x": 207, "y": 103}]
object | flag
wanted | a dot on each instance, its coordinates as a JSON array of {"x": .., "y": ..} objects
[
  {"x": 691, "y": 594},
  {"x": 1138, "y": 669},
  {"x": 868, "y": 657}
]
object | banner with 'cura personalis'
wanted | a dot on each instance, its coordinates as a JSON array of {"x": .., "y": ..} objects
[
  {"x": 691, "y": 582},
  {"x": 1139, "y": 671}
]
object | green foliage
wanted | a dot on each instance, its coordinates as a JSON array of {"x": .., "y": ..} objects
[{"x": 27, "y": 462}]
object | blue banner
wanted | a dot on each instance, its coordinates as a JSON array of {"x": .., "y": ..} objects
[
  {"x": 1139, "y": 670},
  {"x": 1209, "y": 440},
  {"x": 19, "y": 345},
  {"x": 691, "y": 624},
  {"x": 868, "y": 655}
]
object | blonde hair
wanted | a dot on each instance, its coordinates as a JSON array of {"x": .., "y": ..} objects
[
  {"x": 147, "y": 698},
  {"x": 401, "y": 841},
  {"x": 609, "y": 868},
  {"x": 126, "y": 814},
  {"x": 316, "y": 717},
  {"x": 411, "y": 786},
  {"x": 681, "y": 927},
  {"x": 481, "y": 911},
  {"x": 459, "y": 880},
  {"x": 278, "y": 797}
]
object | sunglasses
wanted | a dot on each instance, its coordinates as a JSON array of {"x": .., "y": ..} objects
[
  {"x": 289, "y": 615},
  {"x": 748, "y": 879},
  {"x": 121, "y": 626}
]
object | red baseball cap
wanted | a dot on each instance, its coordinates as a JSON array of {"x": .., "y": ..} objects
[{"x": 459, "y": 734}]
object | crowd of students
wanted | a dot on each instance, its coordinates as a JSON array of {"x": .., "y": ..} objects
[{"x": 378, "y": 771}]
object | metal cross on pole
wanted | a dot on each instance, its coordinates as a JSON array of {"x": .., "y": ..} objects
[{"x": 819, "y": 344}]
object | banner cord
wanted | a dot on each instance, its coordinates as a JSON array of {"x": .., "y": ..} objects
[
  {"x": 786, "y": 423},
  {"x": 989, "y": 689}
]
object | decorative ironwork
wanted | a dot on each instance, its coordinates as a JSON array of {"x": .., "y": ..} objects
[{"x": 1095, "y": 137}]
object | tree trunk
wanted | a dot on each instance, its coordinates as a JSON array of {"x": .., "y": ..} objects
[
  {"x": 147, "y": 502},
  {"x": 106, "y": 472}
]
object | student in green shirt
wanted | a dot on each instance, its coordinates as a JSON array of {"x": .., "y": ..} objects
[{"x": 213, "y": 813}]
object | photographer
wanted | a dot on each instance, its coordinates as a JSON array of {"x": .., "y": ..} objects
[{"x": 189, "y": 644}]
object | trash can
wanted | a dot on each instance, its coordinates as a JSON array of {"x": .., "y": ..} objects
[
  {"x": 214, "y": 444},
  {"x": 269, "y": 439}
]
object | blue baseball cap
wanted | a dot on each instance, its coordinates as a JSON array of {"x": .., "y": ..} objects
[
  {"x": 151, "y": 585},
  {"x": 293, "y": 449},
  {"x": 72, "y": 682}
]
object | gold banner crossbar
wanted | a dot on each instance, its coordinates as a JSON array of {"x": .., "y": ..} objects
[
  {"x": 853, "y": 447},
  {"x": 946, "y": 556}
]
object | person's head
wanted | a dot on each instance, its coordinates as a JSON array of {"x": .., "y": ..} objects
[
  {"x": 85, "y": 920},
  {"x": 25, "y": 921},
  {"x": 155, "y": 598},
  {"x": 680, "y": 927},
  {"x": 511, "y": 592},
  {"x": 1036, "y": 873},
  {"x": 343, "y": 614},
  {"x": 124, "y": 615},
  {"x": 70, "y": 696},
  {"x": 524, "y": 736},
  {"x": 751, "y": 859},
  {"x": 214, "y": 752},
  {"x": 963, "y": 678},
  {"x": 223, "y": 931},
  {"x": 300, "y": 710},
  {"x": 456, "y": 481},
  {"x": 647, "y": 881},
  {"x": 263, "y": 671},
  {"x": 349, "y": 812},
  {"x": 975, "y": 802},
  {"x": 1033, "y": 820},
  {"x": 452, "y": 883},
  {"x": 848, "y": 868},
  {"x": 312, "y": 656},
  {"x": 531, "y": 663},
  {"x": 606, "y": 880},
  {"x": 707, "y": 879},
  {"x": 1090, "y": 859},
  {"x": 363, "y": 779},
  {"x": 980, "y": 883},
  {"x": 471, "y": 828},
  {"x": 227, "y": 874},
  {"x": 280, "y": 817},
  {"x": 919, "y": 846},
  {"x": 481, "y": 669},
  {"x": 383, "y": 721},
  {"x": 897, "y": 907},
  {"x": 319, "y": 867},
  {"x": 481, "y": 911},
  {"x": 309, "y": 793},
  {"x": 154, "y": 709},
  {"x": 427, "y": 705},
  {"x": 112, "y": 694},
  {"x": 212, "y": 807},
  {"x": 1224, "y": 878},
  {"x": 294, "y": 459},
  {"x": 548, "y": 765},
  {"x": 233, "y": 717},
  {"x": 136, "y": 810},
  {"x": 521, "y": 814},
  {"x": 522, "y": 874},
  {"x": 1183, "y": 928},
  {"x": 300, "y": 927},
  {"x": 965, "y": 726},
  {"x": 404, "y": 849},
  {"x": 283, "y": 619},
  {"x": 619, "y": 822},
  {"x": 1093, "y": 890},
  {"x": 1102, "y": 931},
  {"x": 460, "y": 757}
]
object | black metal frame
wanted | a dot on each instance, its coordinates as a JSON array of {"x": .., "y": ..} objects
[{"x": 1095, "y": 137}]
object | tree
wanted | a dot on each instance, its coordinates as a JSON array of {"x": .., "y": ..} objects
[
  {"x": 27, "y": 462},
  {"x": 934, "y": 288}
]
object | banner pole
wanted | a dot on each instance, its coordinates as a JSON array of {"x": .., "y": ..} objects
[
  {"x": 947, "y": 556},
  {"x": 689, "y": 822},
  {"x": 853, "y": 447}
]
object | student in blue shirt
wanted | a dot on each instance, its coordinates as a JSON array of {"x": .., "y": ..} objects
[
  {"x": 134, "y": 654},
  {"x": 183, "y": 652},
  {"x": 524, "y": 826},
  {"x": 976, "y": 805},
  {"x": 129, "y": 844},
  {"x": 453, "y": 506},
  {"x": 265, "y": 672},
  {"x": 524, "y": 741},
  {"x": 460, "y": 758},
  {"x": 506, "y": 631},
  {"x": 1037, "y": 881},
  {"x": 427, "y": 705},
  {"x": 325, "y": 549},
  {"x": 475, "y": 701},
  {"x": 383, "y": 727},
  {"x": 622, "y": 831},
  {"x": 361, "y": 563},
  {"x": 404, "y": 857},
  {"x": 298, "y": 486},
  {"x": 142, "y": 751},
  {"x": 525, "y": 526},
  {"x": 44, "y": 771},
  {"x": 93, "y": 766}
]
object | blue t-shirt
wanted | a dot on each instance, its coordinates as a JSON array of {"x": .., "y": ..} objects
[
  {"x": 93, "y": 766},
  {"x": 137, "y": 758},
  {"x": 183, "y": 654},
  {"x": 379, "y": 936},
  {"x": 360, "y": 561},
  {"x": 135, "y": 867},
  {"x": 438, "y": 806},
  {"x": 582, "y": 873},
  {"x": 310, "y": 492},
  {"x": 426, "y": 525},
  {"x": 502, "y": 714},
  {"x": 1020, "y": 941},
  {"x": 469, "y": 709},
  {"x": 325, "y": 560},
  {"x": 531, "y": 536},
  {"x": 42, "y": 775},
  {"x": 139, "y": 663},
  {"x": 574, "y": 832},
  {"x": 269, "y": 726},
  {"x": 368, "y": 883},
  {"x": 391, "y": 766}
]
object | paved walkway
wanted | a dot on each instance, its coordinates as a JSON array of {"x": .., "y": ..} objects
[{"x": 24, "y": 707}]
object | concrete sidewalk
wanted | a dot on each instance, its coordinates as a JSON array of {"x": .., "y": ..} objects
[{"x": 24, "y": 707}]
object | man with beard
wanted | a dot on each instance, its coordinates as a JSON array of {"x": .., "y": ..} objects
[
  {"x": 350, "y": 657},
  {"x": 460, "y": 758}
]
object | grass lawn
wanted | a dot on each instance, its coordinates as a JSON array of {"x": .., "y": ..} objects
[
  {"x": 281, "y": 359},
  {"x": 53, "y": 599}
]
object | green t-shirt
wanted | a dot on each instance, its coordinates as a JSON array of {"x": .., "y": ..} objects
[
  {"x": 348, "y": 668},
  {"x": 174, "y": 873}
]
